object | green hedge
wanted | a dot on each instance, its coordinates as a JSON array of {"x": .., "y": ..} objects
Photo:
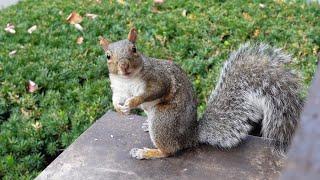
[{"x": 73, "y": 79}]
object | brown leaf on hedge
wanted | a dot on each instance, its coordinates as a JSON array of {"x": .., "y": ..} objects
[
  {"x": 121, "y": 2},
  {"x": 12, "y": 53},
  {"x": 74, "y": 18},
  {"x": 10, "y": 28},
  {"x": 26, "y": 113},
  {"x": 91, "y": 16},
  {"x": 158, "y": 1},
  {"x": 32, "y": 87},
  {"x": 262, "y": 6},
  {"x": 184, "y": 13},
  {"x": 256, "y": 33},
  {"x": 246, "y": 16},
  {"x": 31, "y": 29},
  {"x": 155, "y": 10},
  {"x": 80, "y": 40},
  {"x": 79, "y": 27},
  {"x": 37, "y": 125}
]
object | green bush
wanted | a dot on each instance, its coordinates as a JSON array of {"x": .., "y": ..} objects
[{"x": 73, "y": 79}]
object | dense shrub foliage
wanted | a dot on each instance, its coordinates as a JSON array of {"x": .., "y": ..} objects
[{"x": 73, "y": 79}]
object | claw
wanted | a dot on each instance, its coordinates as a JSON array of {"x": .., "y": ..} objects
[{"x": 125, "y": 109}]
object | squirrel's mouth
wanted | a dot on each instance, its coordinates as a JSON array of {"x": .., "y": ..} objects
[
  {"x": 129, "y": 72},
  {"x": 126, "y": 73}
]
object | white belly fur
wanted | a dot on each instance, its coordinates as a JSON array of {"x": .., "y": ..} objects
[{"x": 124, "y": 88}]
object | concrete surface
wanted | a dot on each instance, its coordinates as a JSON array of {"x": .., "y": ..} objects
[
  {"x": 102, "y": 152},
  {"x": 6, "y": 3},
  {"x": 304, "y": 155}
]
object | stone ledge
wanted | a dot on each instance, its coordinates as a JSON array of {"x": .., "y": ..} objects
[{"x": 102, "y": 152}]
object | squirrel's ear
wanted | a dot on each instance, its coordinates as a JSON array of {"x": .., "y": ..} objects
[
  {"x": 103, "y": 43},
  {"x": 132, "y": 36}
]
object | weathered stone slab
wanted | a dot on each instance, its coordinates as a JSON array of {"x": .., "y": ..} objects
[
  {"x": 304, "y": 155},
  {"x": 102, "y": 152}
]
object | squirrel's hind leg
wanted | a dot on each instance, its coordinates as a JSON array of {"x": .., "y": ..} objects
[{"x": 147, "y": 153}]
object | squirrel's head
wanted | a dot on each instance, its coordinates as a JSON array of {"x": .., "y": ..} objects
[{"x": 122, "y": 56}]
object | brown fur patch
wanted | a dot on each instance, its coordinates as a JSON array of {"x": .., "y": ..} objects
[
  {"x": 154, "y": 153},
  {"x": 136, "y": 101},
  {"x": 164, "y": 106},
  {"x": 113, "y": 67}
]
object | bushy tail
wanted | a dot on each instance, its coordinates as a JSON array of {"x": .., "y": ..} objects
[
  {"x": 282, "y": 115},
  {"x": 254, "y": 87},
  {"x": 281, "y": 96}
]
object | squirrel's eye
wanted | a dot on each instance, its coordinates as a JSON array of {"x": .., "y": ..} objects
[
  {"x": 108, "y": 55},
  {"x": 134, "y": 49}
]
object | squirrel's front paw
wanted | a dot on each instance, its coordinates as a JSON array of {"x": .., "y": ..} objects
[{"x": 125, "y": 108}]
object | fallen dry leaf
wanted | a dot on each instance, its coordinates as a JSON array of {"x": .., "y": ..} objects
[
  {"x": 191, "y": 17},
  {"x": 80, "y": 40},
  {"x": 184, "y": 13},
  {"x": 158, "y": 1},
  {"x": 279, "y": 1},
  {"x": 10, "y": 28},
  {"x": 37, "y": 125},
  {"x": 155, "y": 10},
  {"x": 74, "y": 18},
  {"x": 33, "y": 28},
  {"x": 256, "y": 33},
  {"x": 79, "y": 27},
  {"x": 91, "y": 16},
  {"x": 32, "y": 86},
  {"x": 246, "y": 16},
  {"x": 162, "y": 39},
  {"x": 121, "y": 2},
  {"x": 12, "y": 53},
  {"x": 262, "y": 5},
  {"x": 14, "y": 97},
  {"x": 25, "y": 112}
]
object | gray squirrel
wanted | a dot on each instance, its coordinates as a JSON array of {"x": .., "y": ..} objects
[{"x": 254, "y": 88}]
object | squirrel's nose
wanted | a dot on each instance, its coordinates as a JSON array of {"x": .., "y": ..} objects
[{"x": 124, "y": 66}]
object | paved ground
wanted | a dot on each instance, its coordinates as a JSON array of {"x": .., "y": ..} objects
[
  {"x": 102, "y": 152},
  {"x": 6, "y": 3}
]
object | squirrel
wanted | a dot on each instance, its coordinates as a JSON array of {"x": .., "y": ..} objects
[
  {"x": 254, "y": 88},
  {"x": 160, "y": 88}
]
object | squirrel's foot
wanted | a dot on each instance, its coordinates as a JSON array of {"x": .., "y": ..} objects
[
  {"x": 119, "y": 111},
  {"x": 124, "y": 109},
  {"x": 147, "y": 153},
  {"x": 145, "y": 126}
]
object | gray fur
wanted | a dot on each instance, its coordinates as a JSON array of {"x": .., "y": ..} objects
[
  {"x": 254, "y": 87},
  {"x": 172, "y": 122},
  {"x": 167, "y": 97}
]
